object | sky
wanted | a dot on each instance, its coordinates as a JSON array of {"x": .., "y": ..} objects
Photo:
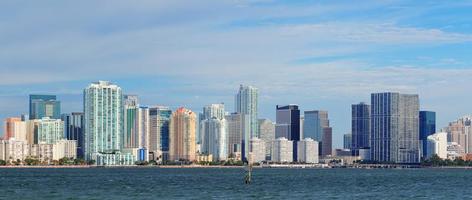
[{"x": 322, "y": 55}]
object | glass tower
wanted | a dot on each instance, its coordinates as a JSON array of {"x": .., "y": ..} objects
[
  {"x": 247, "y": 104},
  {"x": 288, "y": 125},
  {"x": 427, "y": 128},
  {"x": 360, "y": 127},
  {"x": 74, "y": 130},
  {"x": 44, "y": 106},
  {"x": 395, "y": 128}
]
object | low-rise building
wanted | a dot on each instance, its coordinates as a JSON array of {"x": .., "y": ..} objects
[
  {"x": 64, "y": 148},
  {"x": 257, "y": 148},
  {"x": 437, "y": 145},
  {"x": 282, "y": 150},
  {"x": 308, "y": 151}
]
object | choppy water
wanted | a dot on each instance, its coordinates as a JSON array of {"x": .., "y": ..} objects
[{"x": 155, "y": 183}]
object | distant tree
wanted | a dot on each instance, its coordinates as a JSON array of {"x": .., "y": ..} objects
[{"x": 3, "y": 163}]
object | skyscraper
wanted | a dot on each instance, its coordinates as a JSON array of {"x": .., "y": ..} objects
[
  {"x": 360, "y": 127},
  {"x": 74, "y": 130},
  {"x": 288, "y": 125},
  {"x": 103, "y": 110},
  {"x": 131, "y": 131},
  {"x": 347, "y": 141},
  {"x": 427, "y": 128},
  {"x": 159, "y": 131},
  {"x": 213, "y": 132},
  {"x": 395, "y": 127},
  {"x": 238, "y": 134},
  {"x": 316, "y": 126},
  {"x": 13, "y": 128},
  {"x": 182, "y": 136},
  {"x": 267, "y": 133},
  {"x": 437, "y": 144},
  {"x": 44, "y": 106},
  {"x": 247, "y": 104}
]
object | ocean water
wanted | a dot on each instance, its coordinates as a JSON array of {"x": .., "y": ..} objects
[{"x": 224, "y": 183}]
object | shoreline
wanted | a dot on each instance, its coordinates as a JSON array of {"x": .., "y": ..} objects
[{"x": 225, "y": 167}]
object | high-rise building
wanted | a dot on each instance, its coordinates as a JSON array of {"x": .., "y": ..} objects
[
  {"x": 460, "y": 132},
  {"x": 257, "y": 147},
  {"x": 316, "y": 126},
  {"x": 360, "y": 127},
  {"x": 143, "y": 129},
  {"x": 213, "y": 132},
  {"x": 48, "y": 131},
  {"x": 395, "y": 128},
  {"x": 14, "y": 127},
  {"x": 159, "y": 131},
  {"x": 130, "y": 112},
  {"x": 347, "y": 141},
  {"x": 308, "y": 151},
  {"x": 247, "y": 104},
  {"x": 130, "y": 100},
  {"x": 74, "y": 130},
  {"x": 182, "y": 138},
  {"x": 44, "y": 106},
  {"x": 427, "y": 128},
  {"x": 267, "y": 133},
  {"x": 103, "y": 111},
  {"x": 302, "y": 121},
  {"x": 437, "y": 144},
  {"x": 238, "y": 134},
  {"x": 282, "y": 151},
  {"x": 288, "y": 125}
]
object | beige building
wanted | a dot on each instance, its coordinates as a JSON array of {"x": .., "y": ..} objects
[
  {"x": 182, "y": 136},
  {"x": 12, "y": 150},
  {"x": 308, "y": 151},
  {"x": 64, "y": 148},
  {"x": 258, "y": 152},
  {"x": 15, "y": 128},
  {"x": 282, "y": 150}
]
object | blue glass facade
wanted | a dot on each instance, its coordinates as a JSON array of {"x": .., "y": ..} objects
[
  {"x": 427, "y": 128},
  {"x": 360, "y": 127},
  {"x": 288, "y": 125},
  {"x": 74, "y": 130},
  {"x": 44, "y": 106}
]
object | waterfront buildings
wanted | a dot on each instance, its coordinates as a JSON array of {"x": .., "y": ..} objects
[
  {"x": 347, "y": 138},
  {"x": 395, "y": 128},
  {"x": 427, "y": 128},
  {"x": 247, "y": 104},
  {"x": 288, "y": 125},
  {"x": 159, "y": 131},
  {"x": 74, "y": 130},
  {"x": 44, "y": 106},
  {"x": 316, "y": 126},
  {"x": 437, "y": 144},
  {"x": 182, "y": 137},
  {"x": 214, "y": 135},
  {"x": 308, "y": 151},
  {"x": 258, "y": 153},
  {"x": 454, "y": 150},
  {"x": 267, "y": 133},
  {"x": 282, "y": 150},
  {"x": 460, "y": 132},
  {"x": 360, "y": 127},
  {"x": 103, "y": 114},
  {"x": 12, "y": 150}
]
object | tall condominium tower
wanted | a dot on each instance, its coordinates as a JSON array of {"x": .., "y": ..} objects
[
  {"x": 360, "y": 127},
  {"x": 395, "y": 127},
  {"x": 182, "y": 136},
  {"x": 267, "y": 134},
  {"x": 316, "y": 126},
  {"x": 74, "y": 130},
  {"x": 130, "y": 124},
  {"x": 213, "y": 132},
  {"x": 159, "y": 119},
  {"x": 44, "y": 106},
  {"x": 427, "y": 128},
  {"x": 247, "y": 104},
  {"x": 347, "y": 141},
  {"x": 238, "y": 135},
  {"x": 103, "y": 110},
  {"x": 460, "y": 132},
  {"x": 288, "y": 125},
  {"x": 48, "y": 131}
]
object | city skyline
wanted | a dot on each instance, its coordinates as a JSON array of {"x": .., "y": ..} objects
[{"x": 319, "y": 56}]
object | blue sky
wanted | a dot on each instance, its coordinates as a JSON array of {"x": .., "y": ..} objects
[{"x": 318, "y": 54}]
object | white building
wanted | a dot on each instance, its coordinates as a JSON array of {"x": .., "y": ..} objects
[
  {"x": 282, "y": 150},
  {"x": 47, "y": 130},
  {"x": 454, "y": 150},
  {"x": 103, "y": 133},
  {"x": 247, "y": 104},
  {"x": 213, "y": 132},
  {"x": 267, "y": 134},
  {"x": 258, "y": 153},
  {"x": 12, "y": 150},
  {"x": 308, "y": 151},
  {"x": 64, "y": 148},
  {"x": 43, "y": 152},
  {"x": 437, "y": 144}
]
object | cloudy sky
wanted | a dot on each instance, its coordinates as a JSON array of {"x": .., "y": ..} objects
[{"x": 318, "y": 54}]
